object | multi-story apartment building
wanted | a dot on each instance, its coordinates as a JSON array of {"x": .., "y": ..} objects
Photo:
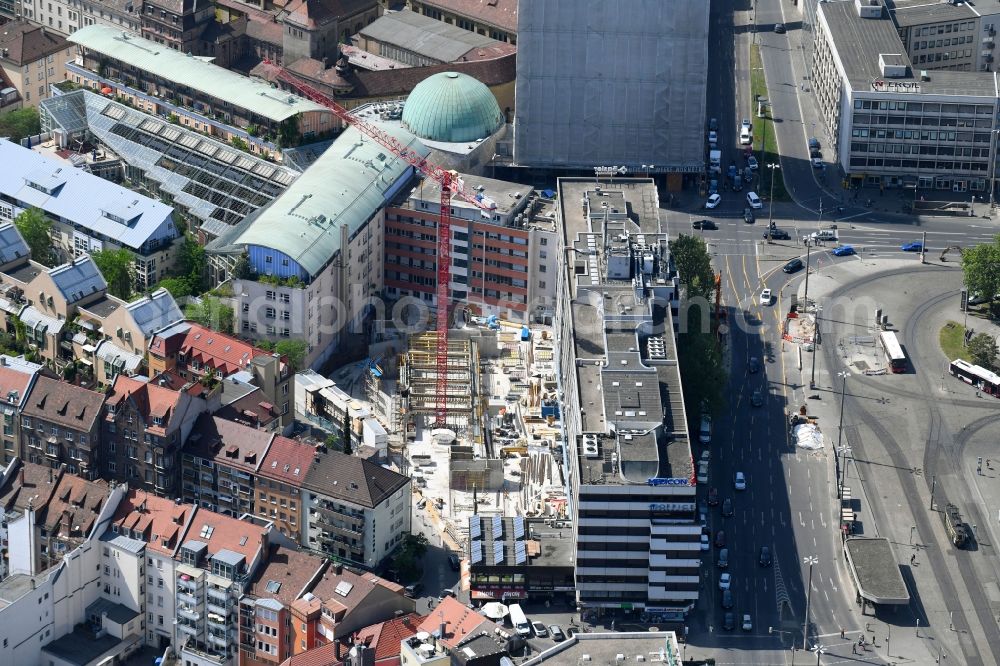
[
  {"x": 219, "y": 464},
  {"x": 267, "y": 630},
  {"x": 67, "y": 16},
  {"x": 316, "y": 251},
  {"x": 32, "y": 57},
  {"x": 88, "y": 213},
  {"x": 358, "y": 511},
  {"x": 179, "y": 24},
  {"x": 60, "y": 424},
  {"x": 895, "y": 123},
  {"x": 143, "y": 429},
  {"x": 503, "y": 261},
  {"x": 215, "y": 565},
  {"x": 202, "y": 96},
  {"x": 626, "y": 433},
  {"x": 313, "y": 29},
  {"x": 17, "y": 377},
  {"x": 279, "y": 482},
  {"x": 159, "y": 525},
  {"x": 496, "y": 19},
  {"x": 191, "y": 351}
]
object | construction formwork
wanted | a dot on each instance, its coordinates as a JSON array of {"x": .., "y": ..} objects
[{"x": 420, "y": 371}]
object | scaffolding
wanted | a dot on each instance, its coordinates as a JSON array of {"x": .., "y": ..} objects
[{"x": 419, "y": 375}]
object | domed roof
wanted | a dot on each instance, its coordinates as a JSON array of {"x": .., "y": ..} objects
[{"x": 452, "y": 108}]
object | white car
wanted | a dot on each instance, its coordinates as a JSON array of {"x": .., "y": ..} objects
[
  {"x": 706, "y": 456},
  {"x": 725, "y": 581},
  {"x": 705, "y": 543},
  {"x": 747, "y": 622},
  {"x": 746, "y": 124},
  {"x": 740, "y": 481},
  {"x": 765, "y": 297},
  {"x": 539, "y": 629},
  {"x": 713, "y": 200},
  {"x": 713, "y": 137},
  {"x": 754, "y": 201}
]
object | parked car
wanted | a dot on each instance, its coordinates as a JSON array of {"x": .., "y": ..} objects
[
  {"x": 713, "y": 200},
  {"x": 748, "y": 216},
  {"x": 723, "y": 558},
  {"x": 757, "y": 398},
  {"x": 779, "y": 28},
  {"x": 713, "y": 124},
  {"x": 746, "y": 124},
  {"x": 752, "y": 163},
  {"x": 454, "y": 563},
  {"x": 705, "y": 543},
  {"x": 705, "y": 225},
  {"x": 765, "y": 556},
  {"x": 713, "y": 496},
  {"x": 793, "y": 266},
  {"x": 413, "y": 590},
  {"x": 915, "y": 246},
  {"x": 727, "y": 507},
  {"x": 765, "y": 296},
  {"x": 422, "y": 503},
  {"x": 557, "y": 633},
  {"x": 778, "y": 234},
  {"x": 740, "y": 481},
  {"x": 447, "y": 592},
  {"x": 720, "y": 539},
  {"x": 747, "y": 623},
  {"x": 713, "y": 137},
  {"x": 753, "y": 365},
  {"x": 817, "y": 162},
  {"x": 754, "y": 201},
  {"x": 814, "y": 143},
  {"x": 725, "y": 581},
  {"x": 843, "y": 251},
  {"x": 727, "y": 599},
  {"x": 729, "y": 621},
  {"x": 539, "y": 629},
  {"x": 706, "y": 456}
]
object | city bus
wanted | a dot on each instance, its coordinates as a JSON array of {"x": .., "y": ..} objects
[
  {"x": 894, "y": 356},
  {"x": 986, "y": 381}
]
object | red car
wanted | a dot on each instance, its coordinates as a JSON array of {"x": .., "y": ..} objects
[
  {"x": 713, "y": 497},
  {"x": 720, "y": 539}
]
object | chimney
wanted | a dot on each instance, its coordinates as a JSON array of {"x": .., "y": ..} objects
[
  {"x": 336, "y": 646},
  {"x": 20, "y": 475},
  {"x": 442, "y": 627},
  {"x": 338, "y": 570}
]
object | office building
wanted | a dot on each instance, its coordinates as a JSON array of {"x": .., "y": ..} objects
[
  {"x": 893, "y": 123},
  {"x": 504, "y": 258},
  {"x": 192, "y": 351},
  {"x": 208, "y": 98},
  {"x": 496, "y": 19},
  {"x": 315, "y": 252},
  {"x": 628, "y": 451},
  {"x": 32, "y": 57},
  {"x": 956, "y": 36},
  {"x": 88, "y": 213},
  {"x": 630, "y": 95},
  {"x": 358, "y": 511},
  {"x": 144, "y": 427},
  {"x": 60, "y": 424}
]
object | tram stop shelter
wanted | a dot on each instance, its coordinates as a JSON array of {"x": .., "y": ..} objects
[{"x": 875, "y": 572}]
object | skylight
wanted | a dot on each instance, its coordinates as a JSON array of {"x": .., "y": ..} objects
[
  {"x": 273, "y": 586},
  {"x": 344, "y": 588},
  {"x": 206, "y": 531}
]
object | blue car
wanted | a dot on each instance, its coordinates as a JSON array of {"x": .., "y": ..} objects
[
  {"x": 915, "y": 246},
  {"x": 843, "y": 251}
]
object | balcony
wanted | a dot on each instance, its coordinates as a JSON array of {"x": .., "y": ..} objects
[
  {"x": 188, "y": 612},
  {"x": 187, "y": 629},
  {"x": 221, "y": 611},
  {"x": 218, "y": 641},
  {"x": 185, "y": 598},
  {"x": 218, "y": 621}
]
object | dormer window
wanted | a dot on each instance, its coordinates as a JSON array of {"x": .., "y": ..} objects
[{"x": 157, "y": 421}]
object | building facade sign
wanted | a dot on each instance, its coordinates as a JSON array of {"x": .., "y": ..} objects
[
  {"x": 671, "y": 507},
  {"x": 661, "y": 481},
  {"x": 881, "y": 85}
]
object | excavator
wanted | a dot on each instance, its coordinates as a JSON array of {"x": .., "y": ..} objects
[{"x": 944, "y": 252}]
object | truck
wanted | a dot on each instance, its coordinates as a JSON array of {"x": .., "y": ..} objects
[
  {"x": 715, "y": 161},
  {"x": 519, "y": 621}
]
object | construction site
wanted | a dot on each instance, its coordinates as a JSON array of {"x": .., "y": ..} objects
[{"x": 495, "y": 453}]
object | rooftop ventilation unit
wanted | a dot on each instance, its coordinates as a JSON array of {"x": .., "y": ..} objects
[{"x": 590, "y": 449}]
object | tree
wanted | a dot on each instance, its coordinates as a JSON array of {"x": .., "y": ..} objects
[
  {"x": 407, "y": 561},
  {"x": 36, "y": 230},
  {"x": 117, "y": 268},
  {"x": 213, "y": 313},
  {"x": 242, "y": 270},
  {"x": 703, "y": 374},
  {"x": 239, "y": 144},
  {"x": 694, "y": 266},
  {"x": 179, "y": 287},
  {"x": 191, "y": 263},
  {"x": 288, "y": 132},
  {"x": 348, "y": 449},
  {"x": 983, "y": 349},
  {"x": 20, "y": 124},
  {"x": 295, "y": 350},
  {"x": 981, "y": 265}
]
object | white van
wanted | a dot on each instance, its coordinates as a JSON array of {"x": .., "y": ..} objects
[
  {"x": 519, "y": 621},
  {"x": 705, "y": 432},
  {"x": 745, "y": 136},
  {"x": 754, "y": 201},
  {"x": 702, "y": 472}
]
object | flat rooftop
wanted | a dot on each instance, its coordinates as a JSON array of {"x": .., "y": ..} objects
[
  {"x": 875, "y": 571},
  {"x": 80, "y": 647},
  {"x": 15, "y": 586},
  {"x": 604, "y": 648},
  {"x": 860, "y": 41},
  {"x": 923, "y": 12},
  {"x": 630, "y": 395},
  {"x": 520, "y": 542}
]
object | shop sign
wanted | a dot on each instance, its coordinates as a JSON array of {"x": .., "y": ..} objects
[
  {"x": 881, "y": 85},
  {"x": 661, "y": 481},
  {"x": 671, "y": 506}
]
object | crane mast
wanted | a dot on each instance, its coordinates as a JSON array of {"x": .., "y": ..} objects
[{"x": 450, "y": 187}]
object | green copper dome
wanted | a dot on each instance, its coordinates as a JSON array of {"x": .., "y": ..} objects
[{"x": 453, "y": 108}]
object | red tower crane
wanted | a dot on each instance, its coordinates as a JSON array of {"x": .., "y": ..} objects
[{"x": 450, "y": 186}]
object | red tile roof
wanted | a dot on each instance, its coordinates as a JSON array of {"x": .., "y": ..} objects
[
  {"x": 460, "y": 621},
  {"x": 158, "y": 521},
  {"x": 287, "y": 460},
  {"x": 26, "y": 43},
  {"x": 151, "y": 400},
  {"x": 326, "y": 655},
  {"x": 225, "y": 533},
  {"x": 209, "y": 348},
  {"x": 31, "y": 482},
  {"x": 385, "y": 637},
  {"x": 286, "y": 575},
  {"x": 499, "y": 13},
  {"x": 362, "y": 586},
  {"x": 12, "y": 379},
  {"x": 75, "y": 506}
]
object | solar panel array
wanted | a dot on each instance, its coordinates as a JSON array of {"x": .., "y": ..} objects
[
  {"x": 497, "y": 527},
  {"x": 519, "y": 527},
  {"x": 475, "y": 528},
  {"x": 497, "y": 552},
  {"x": 476, "y": 552},
  {"x": 520, "y": 555}
]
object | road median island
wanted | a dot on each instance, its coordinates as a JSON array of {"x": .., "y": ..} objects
[{"x": 765, "y": 141}]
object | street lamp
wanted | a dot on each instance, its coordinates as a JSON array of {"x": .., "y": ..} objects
[
  {"x": 912, "y": 530},
  {"x": 811, "y": 560},
  {"x": 815, "y": 344},
  {"x": 820, "y": 650},
  {"x": 844, "y": 374},
  {"x": 842, "y": 465},
  {"x": 770, "y": 204},
  {"x": 993, "y": 165}
]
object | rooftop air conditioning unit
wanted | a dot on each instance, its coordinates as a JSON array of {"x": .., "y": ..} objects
[{"x": 590, "y": 449}]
